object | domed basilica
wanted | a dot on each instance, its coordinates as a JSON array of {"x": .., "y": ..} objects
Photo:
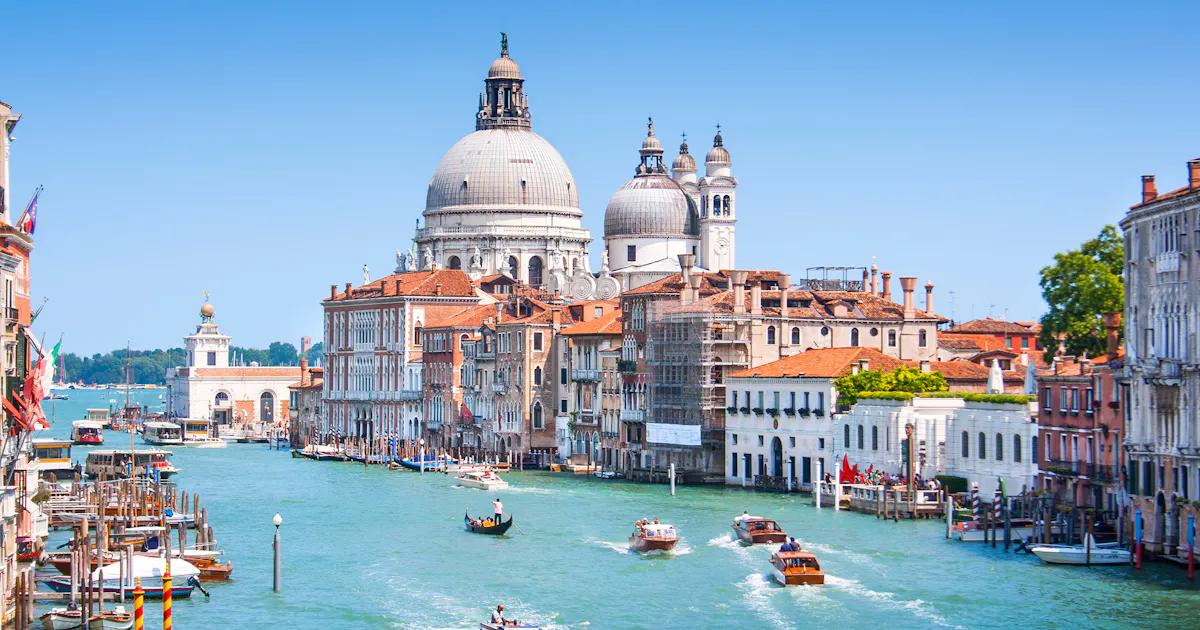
[{"x": 502, "y": 200}]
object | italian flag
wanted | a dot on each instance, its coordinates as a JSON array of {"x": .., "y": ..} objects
[{"x": 46, "y": 368}]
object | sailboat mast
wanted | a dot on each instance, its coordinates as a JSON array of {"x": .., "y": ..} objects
[{"x": 127, "y": 367}]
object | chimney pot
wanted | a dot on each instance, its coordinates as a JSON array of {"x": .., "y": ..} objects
[
  {"x": 1149, "y": 192},
  {"x": 437, "y": 288},
  {"x": 874, "y": 280},
  {"x": 929, "y": 296},
  {"x": 908, "y": 284},
  {"x": 886, "y": 291},
  {"x": 737, "y": 280},
  {"x": 785, "y": 283},
  {"x": 1112, "y": 328},
  {"x": 332, "y": 291},
  {"x": 756, "y": 298},
  {"x": 348, "y": 285},
  {"x": 925, "y": 366},
  {"x": 1194, "y": 173}
]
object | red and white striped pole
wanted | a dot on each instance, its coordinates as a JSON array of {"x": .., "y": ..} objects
[
  {"x": 997, "y": 510},
  {"x": 975, "y": 502}
]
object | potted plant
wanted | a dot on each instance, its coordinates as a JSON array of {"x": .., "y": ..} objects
[
  {"x": 773, "y": 412},
  {"x": 791, "y": 411},
  {"x": 731, "y": 409},
  {"x": 745, "y": 410},
  {"x": 758, "y": 411},
  {"x": 804, "y": 412}
]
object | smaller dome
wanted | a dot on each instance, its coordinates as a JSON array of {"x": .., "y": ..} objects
[
  {"x": 684, "y": 161},
  {"x": 718, "y": 153},
  {"x": 651, "y": 144},
  {"x": 504, "y": 68},
  {"x": 651, "y": 205}
]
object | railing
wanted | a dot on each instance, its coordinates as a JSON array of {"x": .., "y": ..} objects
[
  {"x": 499, "y": 388},
  {"x": 633, "y": 415},
  {"x": 781, "y": 484},
  {"x": 580, "y": 374},
  {"x": 409, "y": 394},
  {"x": 1098, "y": 472}
]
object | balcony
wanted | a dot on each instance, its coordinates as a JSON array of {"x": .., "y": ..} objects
[
  {"x": 1166, "y": 261},
  {"x": 633, "y": 415},
  {"x": 585, "y": 375},
  {"x": 409, "y": 394},
  {"x": 627, "y": 367},
  {"x": 1086, "y": 470},
  {"x": 499, "y": 388}
]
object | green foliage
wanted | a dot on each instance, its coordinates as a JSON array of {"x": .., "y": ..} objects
[
  {"x": 315, "y": 353},
  {"x": 1080, "y": 287},
  {"x": 902, "y": 379},
  {"x": 150, "y": 366},
  {"x": 1007, "y": 399},
  {"x": 885, "y": 396}
]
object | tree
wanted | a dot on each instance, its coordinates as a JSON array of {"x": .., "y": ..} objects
[
  {"x": 902, "y": 379},
  {"x": 1080, "y": 287},
  {"x": 315, "y": 353},
  {"x": 282, "y": 353}
]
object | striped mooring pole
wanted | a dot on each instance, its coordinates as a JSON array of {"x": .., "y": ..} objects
[
  {"x": 139, "y": 600},
  {"x": 975, "y": 501},
  {"x": 997, "y": 511},
  {"x": 166, "y": 597}
]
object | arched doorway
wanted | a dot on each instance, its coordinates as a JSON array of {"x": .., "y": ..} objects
[
  {"x": 776, "y": 457},
  {"x": 1160, "y": 520},
  {"x": 535, "y": 271},
  {"x": 1171, "y": 542},
  {"x": 266, "y": 407}
]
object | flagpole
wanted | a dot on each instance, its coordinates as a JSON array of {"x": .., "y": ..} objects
[{"x": 32, "y": 200}]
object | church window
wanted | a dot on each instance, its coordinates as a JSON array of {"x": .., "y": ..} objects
[
  {"x": 212, "y": 358},
  {"x": 630, "y": 253},
  {"x": 770, "y": 335},
  {"x": 716, "y": 205},
  {"x": 854, "y": 336},
  {"x": 537, "y": 376},
  {"x": 454, "y": 263},
  {"x": 537, "y": 341},
  {"x": 795, "y": 335},
  {"x": 891, "y": 339},
  {"x": 537, "y": 415},
  {"x": 535, "y": 271},
  {"x": 728, "y": 206}
]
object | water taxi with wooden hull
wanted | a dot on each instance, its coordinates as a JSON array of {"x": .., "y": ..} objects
[
  {"x": 478, "y": 526},
  {"x": 198, "y": 434},
  {"x": 87, "y": 432},
  {"x": 161, "y": 433},
  {"x": 114, "y": 464},
  {"x": 653, "y": 537},
  {"x": 484, "y": 480},
  {"x": 53, "y": 459},
  {"x": 754, "y": 530},
  {"x": 1089, "y": 553},
  {"x": 791, "y": 568}
]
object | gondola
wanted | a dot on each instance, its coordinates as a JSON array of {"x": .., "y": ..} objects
[{"x": 495, "y": 530}]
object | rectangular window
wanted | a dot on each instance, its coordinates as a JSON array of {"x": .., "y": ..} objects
[
  {"x": 792, "y": 399},
  {"x": 1008, "y": 342},
  {"x": 562, "y": 376},
  {"x": 733, "y": 464},
  {"x": 562, "y": 406},
  {"x": 212, "y": 358},
  {"x": 734, "y": 438},
  {"x": 1024, "y": 343},
  {"x": 760, "y": 441},
  {"x": 821, "y": 444},
  {"x": 776, "y": 400},
  {"x": 537, "y": 341},
  {"x": 821, "y": 400},
  {"x": 1046, "y": 401},
  {"x": 630, "y": 253},
  {"x": 792, "y": 441},
  {"x": 806, "y": 400},
  {"x": 1074, "y": 399},
  {"x": 1087, "y": 400},
  {"x": 760, "y": 400}
]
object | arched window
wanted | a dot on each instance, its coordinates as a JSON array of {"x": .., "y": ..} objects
[
  {"x": 222, "y": 399},
  {"x": 728, "y": 207},
  {"x": 716, "y": 205},
  {"x": 454, "y": 263},
  {"x": 846, "y": 435},
  {"x": 922, "y": 338},
  {"x": 860, "y": 436},
  {"x": 874, "y": 438},
  {"x": 537, "y": 376},
  {"x": 982, "y": 454},
  {"x": 999, "y": 447},
  {"x": 795, "y": 335},
  {"x": 966, "y": 445},
  {"x": 891, "y": 339},
  {"x": 537, "y": 415},
  {"x": 513, "y": 267},
  {"x": 1017, "y": 449},
  {"x": 535, "y": 271},
  {"x": 770, "y": 335},
  {"x": 266, "y": 407},
  {"x": 854, "y": 336}
]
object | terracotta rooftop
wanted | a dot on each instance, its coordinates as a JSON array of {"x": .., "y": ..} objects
[
  {"x": 472, "y": 317},
  {"x": 607, "y": 324},
  {"x": 1174, "y": 194},
  {"x": 992, "y": 326},
  {"x": 822, "y": 363},
  {"x": 430, "y": 283}
]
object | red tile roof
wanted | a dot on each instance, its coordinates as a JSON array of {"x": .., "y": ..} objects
[
  {"x": 607, "y": 324},
  {"x": 472, "y": 317},
  {"x": 822, "y": 363},
  {"x": 992, "y": 326},
  {"x": 439, "y": 282},
  {"x": 1174, "y": 194}
]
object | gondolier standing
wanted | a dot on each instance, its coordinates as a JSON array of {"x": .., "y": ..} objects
[{"x": 498, "y": 511}]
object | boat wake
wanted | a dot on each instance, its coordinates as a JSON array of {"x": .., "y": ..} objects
[
  {"x": 757, "y": 590},
  {"x": 621, "y": 547},
  {"x": 852, "y": 556},
  {"x": 918, "y": 607},
  {"x": 523, "y": 490}
]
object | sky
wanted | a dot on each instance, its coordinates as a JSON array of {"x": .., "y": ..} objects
[{"x": 264, "y": 151}]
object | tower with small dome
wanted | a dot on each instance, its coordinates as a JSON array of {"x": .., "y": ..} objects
[{"x": 718, "y": 203}]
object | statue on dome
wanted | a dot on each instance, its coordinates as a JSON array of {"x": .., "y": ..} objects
[{"x": 427, "y": 260}]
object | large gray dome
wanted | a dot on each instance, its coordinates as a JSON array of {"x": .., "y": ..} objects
[
  {"x": 651, "y": 205},
  {"x": 503, "y": 169}
]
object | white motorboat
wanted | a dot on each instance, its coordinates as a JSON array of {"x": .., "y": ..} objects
[
  {"x": 114, "y": 464},
  {"x": 162, "y": 433},
  {"x": 89, "y": 432},
  {"x": 1022, "y": 529},
  {"x": 61, "y": 618},
  {"x": 483, "y": 480},
  {"x": 1104, "y": 553}
]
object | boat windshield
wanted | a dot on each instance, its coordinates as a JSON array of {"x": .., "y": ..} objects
[{"x": 53, "y": 452}]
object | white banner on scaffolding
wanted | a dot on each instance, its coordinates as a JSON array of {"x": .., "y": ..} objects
[{"x": 680, "y": 434}]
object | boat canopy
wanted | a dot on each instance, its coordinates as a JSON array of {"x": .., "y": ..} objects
[
  {"x": 148, "y": 567},
  {"x": 87, "y": 424}
]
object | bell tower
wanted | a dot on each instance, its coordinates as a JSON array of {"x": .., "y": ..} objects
[
  {"x": 503, "y": 103},
  {"x": 718, "y": 208}
]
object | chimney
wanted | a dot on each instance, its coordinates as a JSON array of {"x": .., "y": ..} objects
[
  {"x": 694, "y": 288},
  {"x": 866, "y": 276},
  {"x": 785, "y": 283},
  {"x": 874, "y": 281},
  {"x": 499, "y": 311},
  {"x": 926, "y": 367},
  {"x": 1112, "y": 328},
  {"x": 737, "y": 281},
  {"x": 437, "y": 288},
  {"x": 853, "y": 368},
  {"x": 304, "y": 372},
  {"x": 908, "y": 284},
  {"x": 348, "y": 285},
  {"x": 756, "y": 299},
  {"x": 686, "y": 262},
  {"x": 332, "y": 291},
  {"x": 929, "y": 296},
  {"x": 555, "y": 319},
  {"x": 864, "y": 365},
  {"x": 1194, "y": 174},
  {"x": 685, "y": 292},
  {"x": 885, "y": 291},
  {"x": 1149, "y": 192}
]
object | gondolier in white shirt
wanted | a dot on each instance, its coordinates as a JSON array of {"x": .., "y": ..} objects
[{"x": 498, "y": 511}]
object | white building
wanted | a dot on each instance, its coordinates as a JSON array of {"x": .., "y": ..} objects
[
  {"x": 953, "y": 437},
  {"x": 209, "y": 387}
]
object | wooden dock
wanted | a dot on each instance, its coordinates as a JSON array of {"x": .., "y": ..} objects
[{"x": 893, "y": 502}]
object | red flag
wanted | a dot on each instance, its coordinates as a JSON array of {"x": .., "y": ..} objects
[
  {"x": 465, "y": 413},
  {"x": 28, "y": 220}
]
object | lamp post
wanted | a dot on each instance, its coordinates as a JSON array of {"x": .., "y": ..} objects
[{"x": 278, "y": 520}]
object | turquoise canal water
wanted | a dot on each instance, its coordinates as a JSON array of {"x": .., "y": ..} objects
[{"x": 368, "y": 548}]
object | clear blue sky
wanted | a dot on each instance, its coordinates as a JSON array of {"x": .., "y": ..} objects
[{"x": 264, "y": 151}]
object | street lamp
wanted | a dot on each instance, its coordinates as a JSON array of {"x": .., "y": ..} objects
[{"x": 277, "y": 520}]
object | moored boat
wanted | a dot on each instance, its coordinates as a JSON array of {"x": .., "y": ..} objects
[
  {"x": 114, "y": 619},
  {"x": 1088, "y": 553},
  {"x": 60, "y": 618},
  {"x": 147, "y": 568},
  {"x": 653, "y": 537},
  {"x": 87, "y": 432},
  {"x": 430, "y": 462},
  {"x": 483, "y": 480},
  {"x": 485, "y": 525},
  {"x": 974, "y": 531},
  {"x": 53, "y": 458},
  {"x": 161, "y": 433},
  {"x": 29, "y": 548},
  {"x": 115, "y": 464},
  {"x": 753, "y": 530},
  {"x": 791, "y": 568}
]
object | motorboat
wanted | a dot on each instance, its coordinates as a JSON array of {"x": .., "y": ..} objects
[
  {"x": 429, "y": 462},
  {"x": 487, "y": 625},
  {"x": 162, "y": 433},
  {"x": 115, "y": 619},
  {"x": 974, "y": 531},
  {"x": 653, "y": 537},
  {"x": 319, "y": 452},
  {"x": 87, "y": 432},
  {"x": 62, "y": 618},
  {"x": 791, "y": 568},
  {"x": 29, "y": 548},
  {"x": 753, "y": 530},
  {"x": 53, "y": 458},
  {"x": 1090, "y": 552},
  {"x": 114, "y": 464},
  {"x": 483, "y": 480},
  {"x": 149, "y": 569},
  {"x": 485, "y": 525},
  {"x": 197, "y": 433},
  {"x": 608, "y": 474}
]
